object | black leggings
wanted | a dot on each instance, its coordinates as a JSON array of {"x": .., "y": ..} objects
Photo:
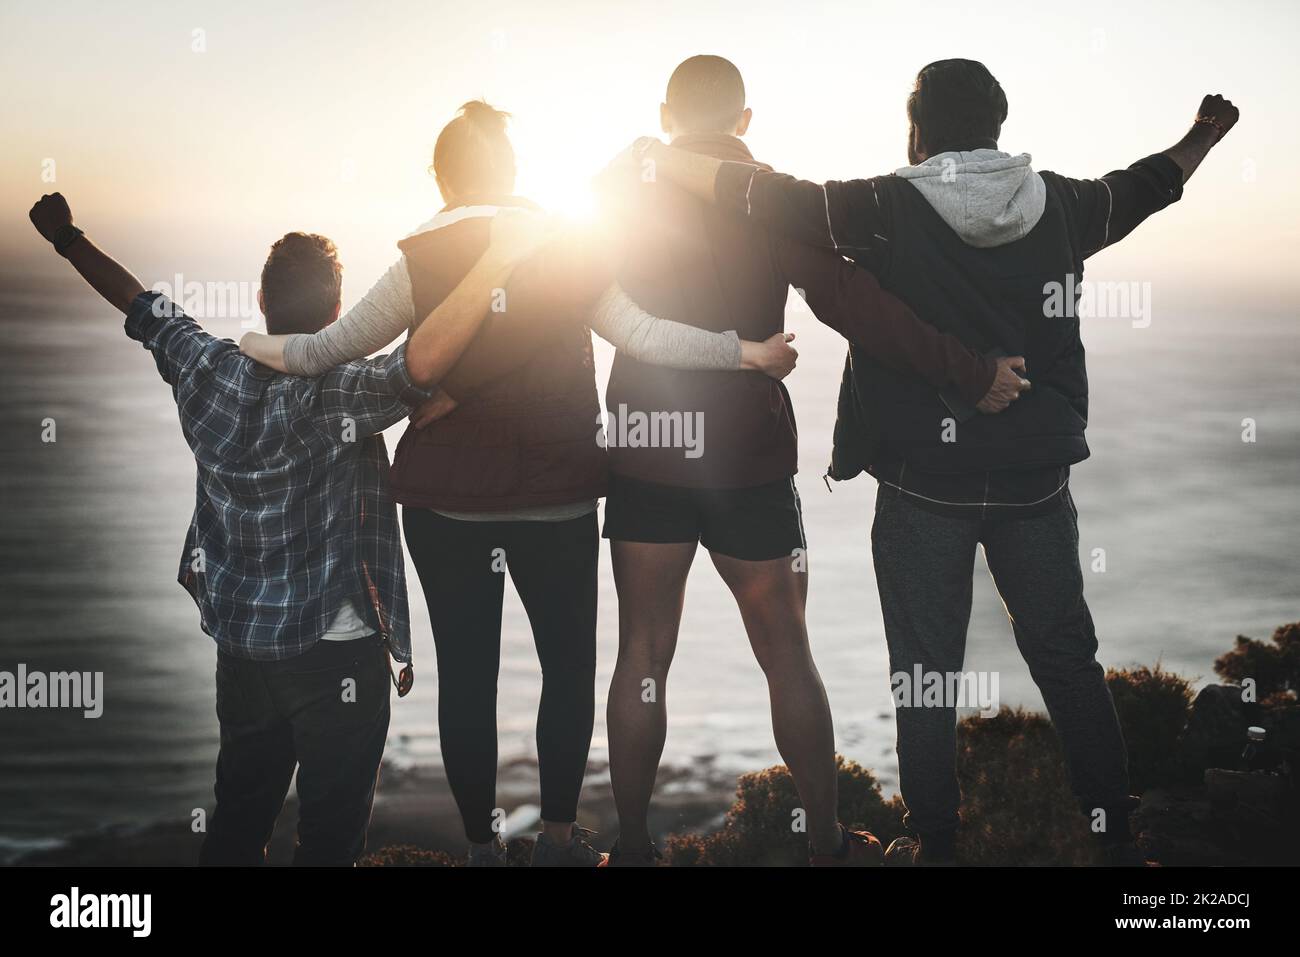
[{"x": 553, "y": 566}]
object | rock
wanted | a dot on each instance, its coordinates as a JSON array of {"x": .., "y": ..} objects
[
  {"x": 1257, "y": 791},
  {"x": 1216, "y": 731},
  {"x": 1177, "y": 826}
]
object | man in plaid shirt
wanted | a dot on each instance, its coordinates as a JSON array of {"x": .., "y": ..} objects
[{"x": 293, "y": 555}]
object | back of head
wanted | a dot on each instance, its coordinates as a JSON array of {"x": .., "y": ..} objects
[
  {"x": 473, "y": 155},
  {"x": 956, "y": 105},
  {"x": 706, "y": 94},
  {"x": 301, "y": 284}
]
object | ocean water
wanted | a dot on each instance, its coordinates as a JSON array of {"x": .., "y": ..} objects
[{"x": 1198, "y": 529}]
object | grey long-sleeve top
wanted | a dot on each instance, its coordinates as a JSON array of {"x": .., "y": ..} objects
[{"x": 388, "y": 310}]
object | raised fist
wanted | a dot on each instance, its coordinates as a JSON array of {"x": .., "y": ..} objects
[
  {"x": 50, "y": 212},
  {"x": 1219, "y": 113}
]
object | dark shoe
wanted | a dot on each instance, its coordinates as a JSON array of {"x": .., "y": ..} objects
[
  {"x": 910, "y": 852},
  {"x": 857, "y": 849},
  {"x": 492, "y": 854},
  {"x": 620, "y": 858},
  {"x": 576, "y": 852}
]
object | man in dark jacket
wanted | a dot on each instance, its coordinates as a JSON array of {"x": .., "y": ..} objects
[{"x": 988, "y": 249}]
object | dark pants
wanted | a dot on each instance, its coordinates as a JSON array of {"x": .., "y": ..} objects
[
  {"x": 924, "y": 564},
  {"x": 325, "y": 712},
  {"x": 462, "y": 568}
]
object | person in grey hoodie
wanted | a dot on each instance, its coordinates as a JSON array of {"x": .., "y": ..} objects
[{"x": 992, "y": 251}]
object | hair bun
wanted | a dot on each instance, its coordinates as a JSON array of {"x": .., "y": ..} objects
[
  {"x": 473, "y": 155},
  {"x": 485, "y": 116}
]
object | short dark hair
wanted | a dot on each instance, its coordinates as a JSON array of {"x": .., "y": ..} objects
[
  {"x": 473, "y": 154},
  {"x": 301, "y": 284},
  {"x": 706, "y": 94},
  {"x": 957, "y": 105}
]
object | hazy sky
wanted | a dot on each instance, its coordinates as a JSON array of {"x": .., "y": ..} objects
[{"x": 191, "y": 152}]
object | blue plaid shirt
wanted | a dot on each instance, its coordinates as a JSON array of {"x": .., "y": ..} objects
[{"x": 292, "y": 514}]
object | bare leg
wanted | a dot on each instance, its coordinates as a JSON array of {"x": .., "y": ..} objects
[
  {"x": 772, "y": 597},
  {"x": 651, "y": 583}
]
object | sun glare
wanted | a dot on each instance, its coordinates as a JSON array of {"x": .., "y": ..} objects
[
  {"x": 556, "y": 171},
  {"x": 570, "y": 199}
]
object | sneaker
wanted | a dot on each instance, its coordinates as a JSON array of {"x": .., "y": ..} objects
[
  {"x": 907, "y": 852},
  {"x": 618, "y": 858},
  {"x": 488, "y": 855},
  {"x": 575, "y": 852},
  {"x": 857, "y": 849}
]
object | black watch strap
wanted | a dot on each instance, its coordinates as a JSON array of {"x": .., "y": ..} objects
[{"x": 65, "y": 236}]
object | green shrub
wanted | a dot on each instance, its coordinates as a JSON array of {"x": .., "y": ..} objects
[
  {"x": 406, "y": 855},
  {"x": 1275, "y": 668},
  {"x": 1153, "y": 705},
  {"x": 758, "y": 830},
  {"x": 1017, "y": 807}
]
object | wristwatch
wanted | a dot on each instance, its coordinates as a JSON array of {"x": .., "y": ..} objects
[{"x": 64, "y": 237}]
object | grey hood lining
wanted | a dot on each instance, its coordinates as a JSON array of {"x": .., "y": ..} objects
[{"x": 988, "y": 197}]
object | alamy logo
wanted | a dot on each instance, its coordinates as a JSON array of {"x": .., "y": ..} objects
[
  {"x": 1098, "y": 300},
  {"x": 207, "y": 300},
  {"x": 72, "y": 910},
  {"x": 946, "y": 689},
  {"x": 652, "y": 430},
  {"x": 54, "y": 689}
]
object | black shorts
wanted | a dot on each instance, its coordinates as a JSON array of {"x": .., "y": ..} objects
[{"x": 754, "y": 524}]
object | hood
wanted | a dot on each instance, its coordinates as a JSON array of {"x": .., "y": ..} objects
[
  {"x": 474, "y": 207},
  {"x": 988, "y": 197}
]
